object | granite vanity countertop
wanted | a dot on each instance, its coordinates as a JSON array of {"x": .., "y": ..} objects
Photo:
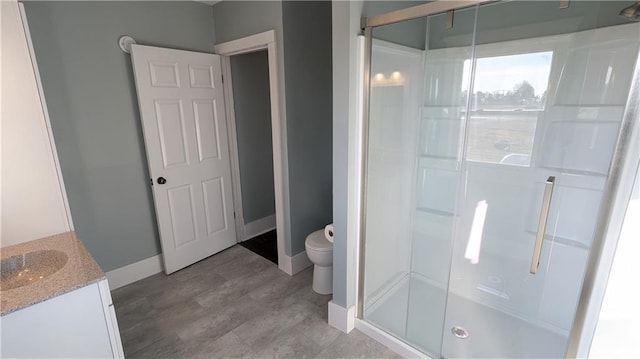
[{"x": 80, "y": 270}]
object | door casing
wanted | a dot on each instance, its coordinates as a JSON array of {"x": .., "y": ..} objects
[{"x": 262, "y": 41}]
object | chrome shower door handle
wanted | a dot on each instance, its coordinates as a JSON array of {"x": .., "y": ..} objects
[{"x": 542, "y": 224}]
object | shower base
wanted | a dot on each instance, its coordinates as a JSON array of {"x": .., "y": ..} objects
[{"x": 412, "y": 310}]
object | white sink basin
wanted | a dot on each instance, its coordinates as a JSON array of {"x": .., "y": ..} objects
[{"x": 27, "y": 268}]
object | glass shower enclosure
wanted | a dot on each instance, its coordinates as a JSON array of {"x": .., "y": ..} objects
[{"x": 490, "y": 140}]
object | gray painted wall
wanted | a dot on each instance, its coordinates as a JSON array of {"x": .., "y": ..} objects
[
  {"x": 89, "y": 88},
  {"x": 252, "y": 105},
  {"x": 307, "y": 50},
  {"x": 579, "y": 16},
  {"x": 237, "y": 19},
  {"x": 304, "y": 44},
  {"x": 410, "y": 33}
]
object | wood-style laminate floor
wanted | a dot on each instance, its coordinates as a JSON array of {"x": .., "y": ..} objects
[{"x": 234, "y": 304}]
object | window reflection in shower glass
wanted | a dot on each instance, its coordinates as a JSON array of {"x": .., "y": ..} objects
[{"x": 508, "y": 96}]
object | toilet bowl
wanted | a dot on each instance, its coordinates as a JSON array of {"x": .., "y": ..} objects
[{"x": 320, "y": 253}]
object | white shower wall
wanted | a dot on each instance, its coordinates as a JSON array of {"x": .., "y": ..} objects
[{"x": 395, "y": 97}]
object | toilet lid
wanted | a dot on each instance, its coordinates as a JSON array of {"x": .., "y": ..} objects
[{"x": 318, "y": 242}]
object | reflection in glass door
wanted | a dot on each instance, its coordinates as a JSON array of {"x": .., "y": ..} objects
[{"x": 484, "y": 183}]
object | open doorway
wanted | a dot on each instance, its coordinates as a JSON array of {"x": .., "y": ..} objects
[
  {"x": 253, "y": 108},
  {"x": 256, "y": 214}
]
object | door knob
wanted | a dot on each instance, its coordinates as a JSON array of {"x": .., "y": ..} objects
[{"x": 162, "y": 180}]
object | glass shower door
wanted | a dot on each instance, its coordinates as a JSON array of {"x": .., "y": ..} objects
[
  {"x": 396, "y": 83},
  {"x": 548, "y": 89},
  {"x": 412, "y": 175}
]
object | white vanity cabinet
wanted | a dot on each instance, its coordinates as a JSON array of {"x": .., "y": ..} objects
[{"x": 78, "y": 324}]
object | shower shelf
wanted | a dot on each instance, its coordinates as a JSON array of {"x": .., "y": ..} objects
[
  {"x": 586, "y": 105},
  {"x": 569, "y": 171},
  {"x": 434, "y": 211},
  {"x": 447, "y": 158},
  {"x": 563, "y": 240}
]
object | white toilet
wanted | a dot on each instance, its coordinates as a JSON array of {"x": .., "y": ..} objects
[{"x": 320, "y": 252}]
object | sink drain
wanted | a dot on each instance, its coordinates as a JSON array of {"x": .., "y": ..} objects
[{"x": 460, "y": 332}]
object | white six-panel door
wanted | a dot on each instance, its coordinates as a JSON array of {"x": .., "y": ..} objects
[{"x": 185, "y": 133}]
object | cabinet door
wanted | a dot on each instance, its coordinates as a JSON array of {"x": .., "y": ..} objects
[
  {"x": 71, "y": 325},
  {"x": 112, "y": 321}
]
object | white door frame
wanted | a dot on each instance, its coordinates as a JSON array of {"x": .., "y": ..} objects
[{"x": 262, "y": 41}]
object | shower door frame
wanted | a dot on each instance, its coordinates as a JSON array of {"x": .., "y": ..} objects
[{"x": 617, "y": 189}]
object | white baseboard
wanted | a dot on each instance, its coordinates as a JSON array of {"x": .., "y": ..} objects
[
  {"x": 295, "y": 264},
  {"x": 341, "y": 318},
  {"x": 300, "y": 262},
  {"x": 258, "y": 227},
  {"x": 134, "y": 272}
]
